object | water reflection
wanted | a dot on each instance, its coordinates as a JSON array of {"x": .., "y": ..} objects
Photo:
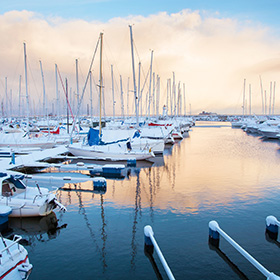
[
  {"x": 225, "y": 258},
  {"x": 148, "y": 251},
  {"x": 42, "y": 229},
  {"x": 85, "y": 189},
  {"x": 272, "y": 237},
  {"x": 215, "y": 172},
  {"x": 199, "y": 174},
  {"x": 88, "y": 187},
  {"x": 137, "y": 212}
]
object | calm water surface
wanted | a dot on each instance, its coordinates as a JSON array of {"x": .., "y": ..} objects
[{"x": 217, "y": 173}]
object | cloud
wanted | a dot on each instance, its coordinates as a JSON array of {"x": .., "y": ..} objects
[{"x": 210, "y": 54}]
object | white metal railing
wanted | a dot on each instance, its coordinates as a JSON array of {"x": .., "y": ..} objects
[
  {"x": 150, "y": 240},
  {"x": 214, "y": 229},
  {"x": 16, "y": 240}
]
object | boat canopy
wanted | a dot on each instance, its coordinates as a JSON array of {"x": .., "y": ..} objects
[
  {"x": 14, "y": 179},
  {"x": 93, "y": 136}
]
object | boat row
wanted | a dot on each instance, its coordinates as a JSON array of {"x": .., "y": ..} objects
[{"x": 263, "y": 126}]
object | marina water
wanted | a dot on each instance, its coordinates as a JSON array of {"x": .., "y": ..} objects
[{"x": 217, "y": 173}]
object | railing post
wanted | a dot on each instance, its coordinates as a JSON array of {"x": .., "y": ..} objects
[
  {"x": 214, "y": 230},
  {"x": 147, "y": 232},
  {"x": 214, "y": 236},
  {"x": 150, "y": 241},
  {"x": 272, "y": 225}
]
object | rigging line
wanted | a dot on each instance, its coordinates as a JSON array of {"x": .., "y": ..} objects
[
  {"x": 84, "y": 88},
  {"x": 30, "y": 71},
  {"x": 143, "y": 73},
  {"x": 17, "y": 66},
  {"x": 64, "y": 90},
  {"x": 82, "y": 75},
  {"x": 119, "y": 57},
  {"x": 140, "y": 97},
  {"x": 95, "y": 85},
  {"x": 1, "y": 82},
  {"x": 136, "y": 50}
]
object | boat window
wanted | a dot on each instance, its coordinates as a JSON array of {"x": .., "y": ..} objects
[{"x": 6, "y": 190}]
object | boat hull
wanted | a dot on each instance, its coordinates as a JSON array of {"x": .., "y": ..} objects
[
  {"x": 91, "y": 152},
  {"x": 14, "y": 262}
]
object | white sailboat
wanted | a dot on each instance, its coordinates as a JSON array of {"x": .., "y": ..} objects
[
  {"x": 24, "y": 138},
  {"x": 96, "y": 149}
]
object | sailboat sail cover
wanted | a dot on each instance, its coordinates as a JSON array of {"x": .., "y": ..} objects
[{"x": 93, "y": 137}]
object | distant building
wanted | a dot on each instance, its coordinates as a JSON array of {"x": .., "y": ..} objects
[{"x": 204, "y": 113}]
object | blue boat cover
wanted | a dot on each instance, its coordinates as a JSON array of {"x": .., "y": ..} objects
[
  {"x": 94, "y": 139},
  {"x": 16, "y": 180},
  {"x": 93, "y": 136}
]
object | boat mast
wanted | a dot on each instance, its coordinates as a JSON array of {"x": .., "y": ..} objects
[
  {"x": 243, "y": 107},
  {"x": 274, "y": 85},
  {"x": 100, "y": 82},
  {"x": 265, "y": 102},
  {"x": 184, "y": 91},
  {"x": 134, "y": 80},
  {"x": 11, "y": 98},
  {"x": 171, "y": 100},
  {"x": 139, "y": 97},
  {"x": 122, "y": 97},
  {"x": 67, "y": 107},
  {"x": 178, "y": 100},
  {"x": 154, "y": 90},
  {"x": 44, "y": 91},
  {"x": 26, "y": 87},
  {"x": 90, "y": 88},
  {"x": 83, "y": 92},
  {"x": 174, "y": 95},
  {"x": 250, "y": 100},
  {"x": 19, "y": 94},
  {"x": 77, "y": 82},
  {"x": 6, "y": 92},
  {"x": 167, "y": 89},
  {"x": 270, "y": 98},
  {"x": 150, "y": 84},
  {"x": 113, "y": 93},
  {"x": 127, "y": 98},
  {"x": 158, "y": 96},
  {"x": 56, "y": 90},
  {"x": 262, "y": 95}
]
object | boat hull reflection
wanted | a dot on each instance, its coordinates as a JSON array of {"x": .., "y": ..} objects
[{"x": 36, "y": 226}]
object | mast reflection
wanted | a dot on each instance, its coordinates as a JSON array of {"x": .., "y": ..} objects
[
  {"x": 137, "y": 211},
  {"x": 101, "y": 191}
]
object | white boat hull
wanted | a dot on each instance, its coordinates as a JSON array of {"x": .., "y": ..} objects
[
  {"x": 14, "y": 261},
  {"x": 157, "y": 146},
  {"x": 108, "y": 153},
  {"x": 27, "y": 201}
]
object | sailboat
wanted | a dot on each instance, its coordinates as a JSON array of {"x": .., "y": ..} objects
[
  {"x": 95, "y": 148},
  {"x": 24, "y": 138}
]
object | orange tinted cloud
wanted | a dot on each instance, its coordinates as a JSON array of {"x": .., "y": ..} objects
[{"x": 210, "y": 54}]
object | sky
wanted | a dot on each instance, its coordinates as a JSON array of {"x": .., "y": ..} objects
[{"x": 209, "y": 47}]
